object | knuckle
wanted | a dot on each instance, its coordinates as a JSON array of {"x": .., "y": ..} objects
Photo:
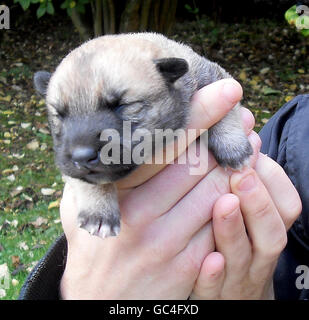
[
  {"x": 220, "y": 184},
  {"x": 189, "y": 266},
  {"x": 263, "y": 210},
  {"x": 242, "y": 261},
  {"x": 272, "y": 251}
]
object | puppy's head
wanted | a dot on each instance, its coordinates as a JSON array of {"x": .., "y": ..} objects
[{"x": 100, "y": 85}]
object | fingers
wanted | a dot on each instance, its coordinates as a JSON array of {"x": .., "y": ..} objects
[
  {"x": 164, "y": 190},
  {"x": 231, "y": 238},
  {"x": 247, "y": 119},
  {"x": 170, "y": 188},
  {"x": 189, "y": 261},
  {"x": 264, "y": 224},
  {"x": 280, "y": 188},
  {"x": 209, "y": 105},
  {"x": 193, "y": 210},
  {"x": 209, "y": 283},
  {"x": 68, "y": 210}
]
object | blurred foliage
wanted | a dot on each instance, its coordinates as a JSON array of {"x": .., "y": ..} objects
[
  {"x": 298, "y": 16},
  {"x": 97, "y": 17}
]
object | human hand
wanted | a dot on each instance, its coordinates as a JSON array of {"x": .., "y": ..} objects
[
  {"x": 165, "y": 232},
  {"x": 250, "y": 229}
]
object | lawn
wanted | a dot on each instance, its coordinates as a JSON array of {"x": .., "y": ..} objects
[{"x": 269, "y": 59}]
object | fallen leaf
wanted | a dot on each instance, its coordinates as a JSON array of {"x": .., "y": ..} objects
[
  {"x": 269, "y": 91},
  {"x": 33, "y": 145},
  {"x": 11, "y": 177},
  {"x": 7, "y": 171},
  {"x": 44, "y": 131},
  {"x": 18, "y": 156},
  {"x": 22, "y": 245},
  {"x": 54, "y": 204},
  {"x": 47, "y": 191},
  {"x": 15, "y": 261},
  {"x": 39, "y": 222},
  {"x": 25, "y": 125},
  {"x": 242, "y": 76},
  {"x": 15, "y": 282},
  {"x": 2, "y": 293},
  {"x": 264, "y": 70},
  {"x": 6, "y": 99},
  {"x": 8, "y": 112},
  {"x": 288, "y": 98}
]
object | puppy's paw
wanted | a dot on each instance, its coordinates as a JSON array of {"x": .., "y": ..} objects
[
  {"x": 99, "y": 224},
  {"x": 232, "y": 154}
]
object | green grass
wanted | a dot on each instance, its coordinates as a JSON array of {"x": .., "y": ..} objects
[{"x": 22, "y": 245}]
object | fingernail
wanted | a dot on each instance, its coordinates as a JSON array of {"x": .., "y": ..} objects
[
  {"x": 254, "y": 139},
  {"x": 231, "y": 92},
  {"x": 247, "y": 183}
]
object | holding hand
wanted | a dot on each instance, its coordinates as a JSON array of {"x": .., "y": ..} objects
[{"x": 250, "y": 228}]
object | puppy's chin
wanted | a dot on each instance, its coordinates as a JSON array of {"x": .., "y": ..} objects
[
  {"x": 106, "y": 174},
  {"x": 109, "y": 176}
]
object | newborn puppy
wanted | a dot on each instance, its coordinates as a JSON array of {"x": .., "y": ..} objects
[{"x": 143, "y": 78}]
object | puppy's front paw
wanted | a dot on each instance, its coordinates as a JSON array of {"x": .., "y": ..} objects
[
  {"x": 232, "y": 154},
  {"x": 99, "y": 224}
]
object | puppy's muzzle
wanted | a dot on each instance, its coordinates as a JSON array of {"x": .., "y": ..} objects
[{"x": 85, "y": 157}]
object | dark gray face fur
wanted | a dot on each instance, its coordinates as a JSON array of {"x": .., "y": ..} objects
[{"x": 78, "y": 112}]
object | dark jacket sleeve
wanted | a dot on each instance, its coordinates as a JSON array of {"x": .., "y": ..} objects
[
  {"x": 285, "y": 138},
  {"x": 44, "y": 280}
]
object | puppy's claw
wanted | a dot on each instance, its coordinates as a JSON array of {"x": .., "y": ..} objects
[{"x": 100, "y": 225}]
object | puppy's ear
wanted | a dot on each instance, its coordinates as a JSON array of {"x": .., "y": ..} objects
[
  {"x": 172, "y": 68},
  {"x": 40, "y": 80}
]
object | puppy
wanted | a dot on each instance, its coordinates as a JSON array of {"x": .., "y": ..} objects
[{"x": 143, "y": 78}]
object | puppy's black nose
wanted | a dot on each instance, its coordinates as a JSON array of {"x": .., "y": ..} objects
[{"x": 86, "y": 157}]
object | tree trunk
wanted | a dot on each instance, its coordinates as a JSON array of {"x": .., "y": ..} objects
[
  {"x": 137, "y": 15},
  {"x": 170, "y": 19},
  {"x": 144, "y": 24},
  {"x": 130, "y": 17},
  {"x": 81, "y": 27},
  {"x": 112, "y": 16},
  {"x": 97, "y": 24}
]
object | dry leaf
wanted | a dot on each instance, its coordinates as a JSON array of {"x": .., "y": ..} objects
[
  {"x": 11, "y": 177},
  {"x": 54, "y": 204},
  {"x": 22, "y": 245},
  {"x": 15, "y": 261},
  {"x": 242, "y": 76},
  {"x": 47, "y": 191},
  {"x": 15, "y": 282},
  {"x": 7, "y": 98},
  {"x": 25, "y": 125},
  {"x": 39, "y": 222},
  {"x": 33, "y": 145}
]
